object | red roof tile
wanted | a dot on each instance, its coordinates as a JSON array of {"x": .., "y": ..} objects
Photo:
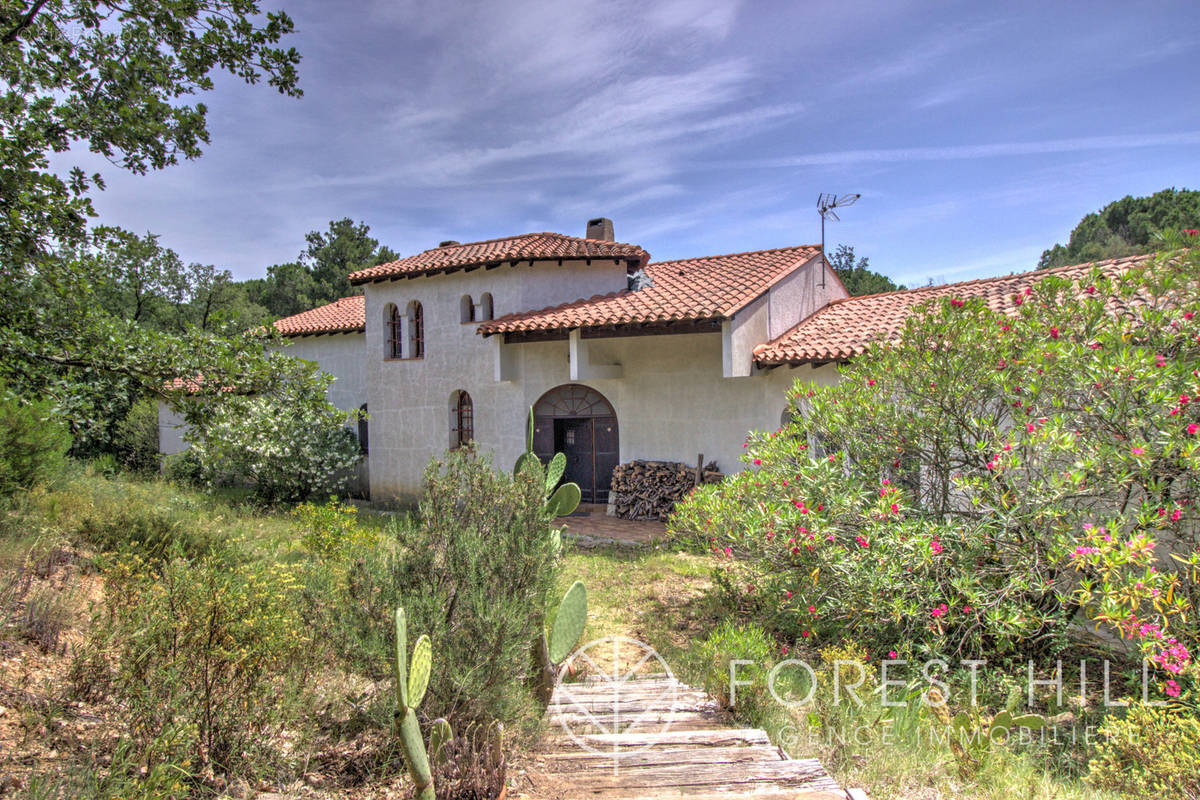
[
  {"x": 347, "y": 315},
  {"x": 713, "y": 287},
  {"x": 845, "y": 328},
  {"x": 526, "y": 247}
]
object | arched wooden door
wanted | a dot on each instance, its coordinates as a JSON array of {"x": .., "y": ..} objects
[{"x": 580, "y": 422}]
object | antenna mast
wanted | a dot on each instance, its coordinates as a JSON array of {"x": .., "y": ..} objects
[{"x": 826, "y": 203}]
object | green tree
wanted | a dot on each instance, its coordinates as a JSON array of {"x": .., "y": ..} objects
[
  {"x": 855, "y": 276},
  {"x": 318, "y": 275},
  {"x": 331, "y": 256},
  {"x": 1126, "y": 227},
  {"x": 111, "y": 75}
]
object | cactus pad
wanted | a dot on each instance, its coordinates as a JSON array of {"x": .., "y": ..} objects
[
  {"x": 418, "y": 675},
  {"x": 569, "y": 622},
  {"x": 522, "y": 460},
  {"x": 440, "y": 735},
  {"x": 564, "y": 500},
  {"x": 555, "y": 470},
  {"x": 400, "y": 662}
]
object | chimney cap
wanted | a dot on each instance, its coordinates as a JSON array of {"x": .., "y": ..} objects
[{"x": 449, "y": 243}]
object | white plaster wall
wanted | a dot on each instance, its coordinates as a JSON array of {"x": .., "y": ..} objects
[
  {"x": 789, "y": 301},
  {"x": 671, "y": 400},
  {"x": 801, "y": 294},
  {"x": 340, "y": 355},
  {"x": 409, "y": 400},
  {"x": 171, "y": 428}
]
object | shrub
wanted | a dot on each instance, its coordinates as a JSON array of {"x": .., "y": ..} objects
[
  {"x": 155, "y": 532},
  {"x": 33, "y": 444},
  {"x": 289, "y": 444},
  {"x": 978, "y": 486},
  {"x": 207, "y": 660},
  {"x": 1150, "y": 752},
  {"x": 183, "y": 468},
  {"x": 136, "y": 438},
  {"x": 331, "y": 530},
  {"x": 474, "y": 575},
  {"x": 730, "y": 642}
]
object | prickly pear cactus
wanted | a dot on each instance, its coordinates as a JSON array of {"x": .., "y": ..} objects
[
  {"x": 552, "y": 648},
  {"x": 440, "y": 735},
  {"x": 410, "y": 690},
  {"x": 569, "y": 623},
  {"x": 561, "y": 501}
]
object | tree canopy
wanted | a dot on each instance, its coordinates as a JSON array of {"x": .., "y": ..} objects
[
  {"x": 855, "y": 275},
  {"x": 318, "y": 275},
  {"x": 1126, "y": 227},
  {"x": 111, "y": 76}
]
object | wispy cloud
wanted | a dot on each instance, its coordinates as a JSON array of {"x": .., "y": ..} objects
[{"x": 995, "y": 150}]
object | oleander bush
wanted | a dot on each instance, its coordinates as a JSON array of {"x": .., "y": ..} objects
[{"x": 987, "y": 484}]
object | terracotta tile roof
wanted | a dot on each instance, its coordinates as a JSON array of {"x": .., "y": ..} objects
[
  {"x": 707, "y": 288},
  {"x": 845, "y": 328},
  {"x": 347, "y": 315},
  {"x": 511, "y": 249}
]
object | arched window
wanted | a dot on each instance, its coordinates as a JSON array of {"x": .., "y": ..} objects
[
  {"x": 362, "y": 430},
  {"x": 393, "y": 332},
  {"x": 466, "y": 309},
  {"x": 462, "y": 420},
  {"x": 485, "y": 306},
  {"x": 416, "y": 331}
]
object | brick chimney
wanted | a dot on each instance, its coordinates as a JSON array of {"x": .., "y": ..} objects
[{"x": 600, "y": 228}]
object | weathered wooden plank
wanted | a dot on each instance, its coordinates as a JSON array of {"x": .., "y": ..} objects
[
  {"x": 572, "y": 760},
  {"x": 722, "y": 737},
  {"x": 762, "y": 792},
  {"x": 798, "y": 774}
]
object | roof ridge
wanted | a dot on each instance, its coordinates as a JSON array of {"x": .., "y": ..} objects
[
  {"x": 732, "y": 255},
  {"x": 974, "y": 281}
]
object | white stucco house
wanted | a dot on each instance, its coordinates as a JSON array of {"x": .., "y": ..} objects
[{"x": 621, "y": 357}]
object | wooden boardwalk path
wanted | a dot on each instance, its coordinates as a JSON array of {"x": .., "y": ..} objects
[{"x": 658, "y": 738}]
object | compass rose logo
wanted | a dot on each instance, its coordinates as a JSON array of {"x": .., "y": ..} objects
[{"x": 625, "y": 705}]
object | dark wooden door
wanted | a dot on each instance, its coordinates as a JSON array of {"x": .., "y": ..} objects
[
  {"x": 574, "y": 438},
  {"x": 607, "y": 444}
]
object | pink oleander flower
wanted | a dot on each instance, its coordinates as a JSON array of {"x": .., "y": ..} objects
[
  {"x": 892, "y": 654},
  {"x": 788, "y": 593},
  {"x": 758, "y": 462},
  {"x": 861, "y": 541},
  {"x": 812, "y": 609},
  {"x": 1137, "y": 451},
  {"x": 1172, "y": 689},
  {"x": 895, "y": 508},
  {"x": 936, "y": 547},
  {"x": 1054, "y": 333},
  {"x": 940, "y": 611},
  {"x": 1192, "y": 429},
  {"x": 956, "y": 302}
]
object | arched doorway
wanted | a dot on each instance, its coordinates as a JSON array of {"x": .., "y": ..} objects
[{"x": 580, "y": 422}]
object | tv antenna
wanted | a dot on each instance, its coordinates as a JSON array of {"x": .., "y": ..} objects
[{"x": 827, "y": 205}]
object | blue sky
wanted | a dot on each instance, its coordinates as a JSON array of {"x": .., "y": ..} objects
[{"x": 977, "y": 133}]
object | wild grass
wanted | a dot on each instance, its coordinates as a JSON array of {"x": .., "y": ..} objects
[{"x": 667, "y": 599}]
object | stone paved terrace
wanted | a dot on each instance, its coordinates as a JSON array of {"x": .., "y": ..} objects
[{"x": 590, "y": 526}]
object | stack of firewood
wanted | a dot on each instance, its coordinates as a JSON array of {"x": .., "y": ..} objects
[{"x": 650, "y": 489}]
